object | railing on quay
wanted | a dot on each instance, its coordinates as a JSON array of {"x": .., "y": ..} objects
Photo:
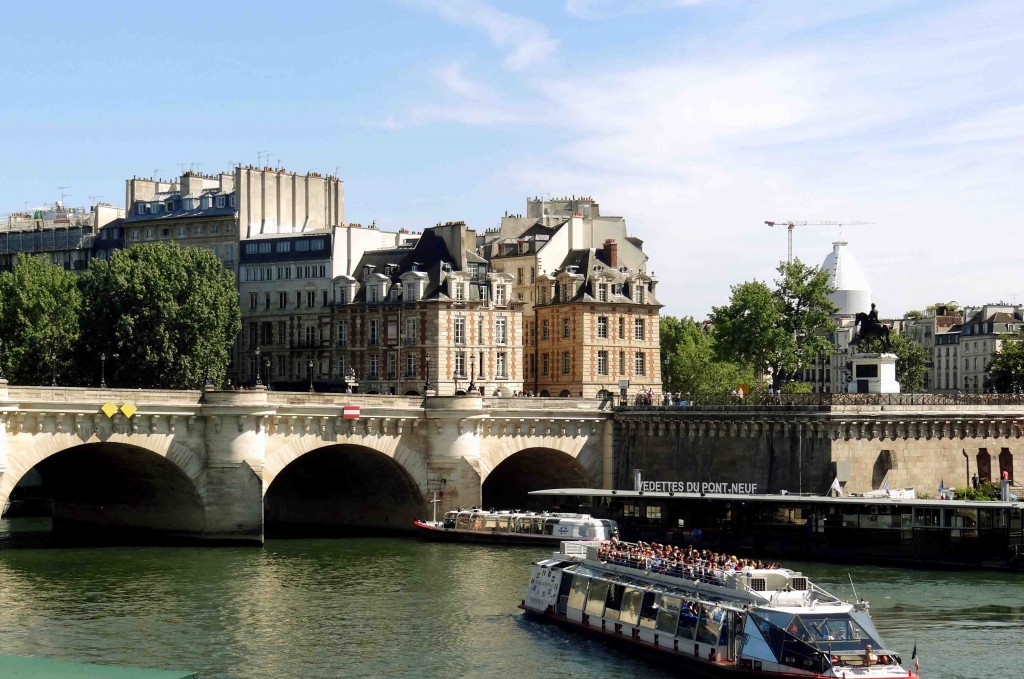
[{"x": 824, "y": 401}]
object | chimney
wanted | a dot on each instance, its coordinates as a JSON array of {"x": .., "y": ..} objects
[{"x": 611, "y": 253}]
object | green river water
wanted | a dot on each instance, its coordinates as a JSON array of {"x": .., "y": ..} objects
[{"x": 404, "y": 608}]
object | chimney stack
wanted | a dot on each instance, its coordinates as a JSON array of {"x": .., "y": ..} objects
[{"x": 611, "y": 253}]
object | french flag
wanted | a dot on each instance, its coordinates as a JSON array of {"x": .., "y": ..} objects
[{"x": 913, "y": 656}]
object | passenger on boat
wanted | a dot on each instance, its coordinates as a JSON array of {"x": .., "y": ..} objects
[{"x": 869, "y": 655}]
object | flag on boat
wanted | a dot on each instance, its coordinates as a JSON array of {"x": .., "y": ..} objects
[
  {"x": 350, "y": 412},
  {"x": 836, "y": 487},
  {"x": 942, "y": 489},
  {"x": 913, "y": 656},
  {"x": 885, "y": 487}
]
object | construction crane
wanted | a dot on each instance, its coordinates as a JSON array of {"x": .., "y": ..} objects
[{"x": 790, "y": 225}]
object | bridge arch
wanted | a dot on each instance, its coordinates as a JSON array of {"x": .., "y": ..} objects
[
  {"x": 110, "y": 491},
  {"x": 344, "y": 488},
  {"x": 508, "y": 484}
]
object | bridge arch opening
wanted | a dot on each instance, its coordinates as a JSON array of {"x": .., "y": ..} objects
[
  {"x": 341, "y": 490},
  {"x": 110, "y": 493},
  {"x": 509, "y": 484}
]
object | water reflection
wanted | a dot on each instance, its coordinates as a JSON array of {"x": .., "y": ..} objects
[{"x": 402, "y": 608}]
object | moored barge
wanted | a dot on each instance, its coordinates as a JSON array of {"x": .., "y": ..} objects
[{"x": 515, "y": 527}]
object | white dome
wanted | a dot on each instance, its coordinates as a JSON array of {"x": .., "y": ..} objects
[{"x": 853, "y": 294}]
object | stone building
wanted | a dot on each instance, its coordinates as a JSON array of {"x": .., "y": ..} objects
[
  {"x": 61, "y": 235},
  {"x": 982, "y": 336},
  {"x": 285, "y": 291},
  {"x": 598, "y": 328},
  {"x": 216, "y": 212},
  {"x": 427, "y": 315},
  {"x": 938, "y": 333}
]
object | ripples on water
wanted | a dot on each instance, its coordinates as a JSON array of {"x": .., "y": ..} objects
[{"x": 402, "y": 608}]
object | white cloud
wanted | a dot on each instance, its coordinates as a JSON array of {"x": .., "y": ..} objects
[
  {"x": 526, "y": 42},
  {"x": 596, "y": 10}
]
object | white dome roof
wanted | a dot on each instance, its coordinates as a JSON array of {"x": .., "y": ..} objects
[{"x": 852, "y": 293}]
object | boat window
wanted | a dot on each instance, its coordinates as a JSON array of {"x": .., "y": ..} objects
[
  {"x": 927, "y": 517},
  {"x": 649, "y": 610},
  {"x": 632, "y": 600},
  {"x": 688, "y": 620},
  {"x": 491, "y": 522},
  {"x": 537, "y": 527},
  {"x": 450, "y": 519},
  {"x": 478, "y": 522},
  {"x": 829, "y": 628},
  {"x": 503, "y": 523},
  {"x": 613, "y": 602},
  {"x": 596, "y": 597},
  {"x": 464, "y": 521},
  {"x": 709, "y": 629},
  {"x": 578, "y": 594},
  {"x": 668, "y": 614}
]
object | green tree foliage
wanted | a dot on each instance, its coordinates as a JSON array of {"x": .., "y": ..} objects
[
  {"x": 170, "y": 314},
  {"x": 687, "y": 350},
  {"x": 39, "y": 307},
  {"x": 1006, "y": 371},
  {"x": 986, "y": 491},
  {"x": 911, "y": 360},
  {"x": 777, "y": 330}
]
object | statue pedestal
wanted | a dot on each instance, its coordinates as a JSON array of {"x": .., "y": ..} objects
[{"x": 873, "y": 374}]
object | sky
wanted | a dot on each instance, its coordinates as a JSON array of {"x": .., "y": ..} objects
[{"x": 696, "y": 120}]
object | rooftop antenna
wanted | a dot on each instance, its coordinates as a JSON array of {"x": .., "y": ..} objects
[
  {"x": 181, "y": 168},
  {"x": 195, "y": 165},
  {"x": 92, "y": 199},
  {"x": 63, "y": 195},
  {"x": 262, "y": 156}
]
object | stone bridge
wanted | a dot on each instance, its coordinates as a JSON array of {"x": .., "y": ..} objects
[{"x": 232, "y": 465}]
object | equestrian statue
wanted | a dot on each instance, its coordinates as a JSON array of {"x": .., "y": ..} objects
[{"x": 870, "y": 328}]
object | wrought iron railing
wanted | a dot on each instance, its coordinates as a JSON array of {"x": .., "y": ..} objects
[{"x": 827, "y": 400}]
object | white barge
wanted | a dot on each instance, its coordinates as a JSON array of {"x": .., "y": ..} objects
[
  {"x": 514, "y": 527},
  {"x": 710, "y": 615}
]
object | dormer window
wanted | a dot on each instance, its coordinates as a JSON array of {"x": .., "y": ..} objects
[
  {"x": 638, "y": 293},
  {"x": 499, "y": 295},
  {"x": 142, "y": 209},
  {"x": 169, "y": 206},
  {"x": 220, "y": 201},
  {"x": 204, "y": 202},
  {"x": 460, "y": 292},
  {"x": 602, "y": 293}
]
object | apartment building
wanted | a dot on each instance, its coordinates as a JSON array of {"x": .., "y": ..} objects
[{"x": 64, "y": 236}]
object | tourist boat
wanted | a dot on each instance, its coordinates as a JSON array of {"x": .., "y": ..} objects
[
  {"x": 515, "y": 527},
  {"x": 733, "y": 620}
]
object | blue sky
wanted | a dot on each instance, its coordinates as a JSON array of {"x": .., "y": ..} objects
[{"x": 696, "y": 120}]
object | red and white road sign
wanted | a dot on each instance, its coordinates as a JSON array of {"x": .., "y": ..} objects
[{"x": 350, "y": 412}]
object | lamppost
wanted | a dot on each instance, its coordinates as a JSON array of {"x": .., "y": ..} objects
[
  {"x": 259, "y": 383},
  {"x": 472, "y": 374},
  {"x": 455, "y": 376},
  {"x": 53, "y": 369},
  {"x": 115, "y": 356},
  {"x": 103, "y": 370},
  {"x": 266, "y": 365},
  {"x": 427, "y": 386},
  {"x": 309, "y": 369}
]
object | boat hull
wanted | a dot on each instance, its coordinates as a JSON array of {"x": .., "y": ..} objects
[{"x": 699, "y": 667}]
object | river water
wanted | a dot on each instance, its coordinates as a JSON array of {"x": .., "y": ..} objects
[{"x": 404, "y": 608}]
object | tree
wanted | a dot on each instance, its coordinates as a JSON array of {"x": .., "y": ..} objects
[
  {"x": 169, "y": 314},
  {"x": 780, "y": 330},
  {"x": 911, "y": 360},
  {"x": 691, "y": 366},
  {"x": 39, "y": 307},
  {"x": 1006, "y": 371}
]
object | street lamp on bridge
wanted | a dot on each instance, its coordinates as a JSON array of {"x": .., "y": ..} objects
[
  {"x": 259, "y": 383},
  {"x": 103, "y": 370},
  {"x": 309, "y": 368}
]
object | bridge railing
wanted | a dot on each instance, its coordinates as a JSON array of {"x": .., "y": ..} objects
[
  {"x": 812, "y": 401},
  {"x": 97, "y": 395}
]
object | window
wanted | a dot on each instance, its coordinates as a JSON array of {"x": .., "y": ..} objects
[
  {"x": 343, "y": 295},
  {"x": 602, "y": 363},
  {"x": 342, "y": 333},
  {"x": 566, "y": 362},
  {"x": 602, "y": 293},
  {"x": 566, "y": 328},
  {"x": 373, "y": 332},
  {"x": 267, "y": 333},
  {"x": 410, "y": 331},
  {"x": 638, "y": 328},
  {"x": 501, "y": 365},
  {"x": 410, "y": 365},
  {"x": 459, "y": 292},
  {"x": 481, "y": 365},
  {"x": 533, "y": 275},
  {"x": 323, "y": 296},
  {"x": 310, "y": 298},
  {"x": 480, "y": 329},
  {"x": 483, "y": 295},
  {"x": 182, "y": 231},
  {"x": 460, "y": 331},
  {"x": 252, "y": 335},
  {"x": 298, "y": 299},
  {"x": 639, "y": 367},
  {"x": 544, "y": 364},
  {"x": 282, "y": 300},
  {"x": 501, "y": 330},
  {"x": 392, "y": 366},
  {"x": 460, "y": 363},
  {"x": 622, "y": 328},
  {"x": 499, "y": 294},
  {"x": 374, "y": 366},
  {"x": 220, "y": 201},
  {"x": 310, "y": 335},
  {"x": 266, "y": 301},
  {"x": 622, "y": 362},
  {"x": 252, "y": 301},
  {"x": 602, "y": 327},
  {"x": 142, "y": 209},
  {"x": 374, "y": 294},
  {"x": 545, "y": 329},
  {"x": 519, "y": 276}
]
